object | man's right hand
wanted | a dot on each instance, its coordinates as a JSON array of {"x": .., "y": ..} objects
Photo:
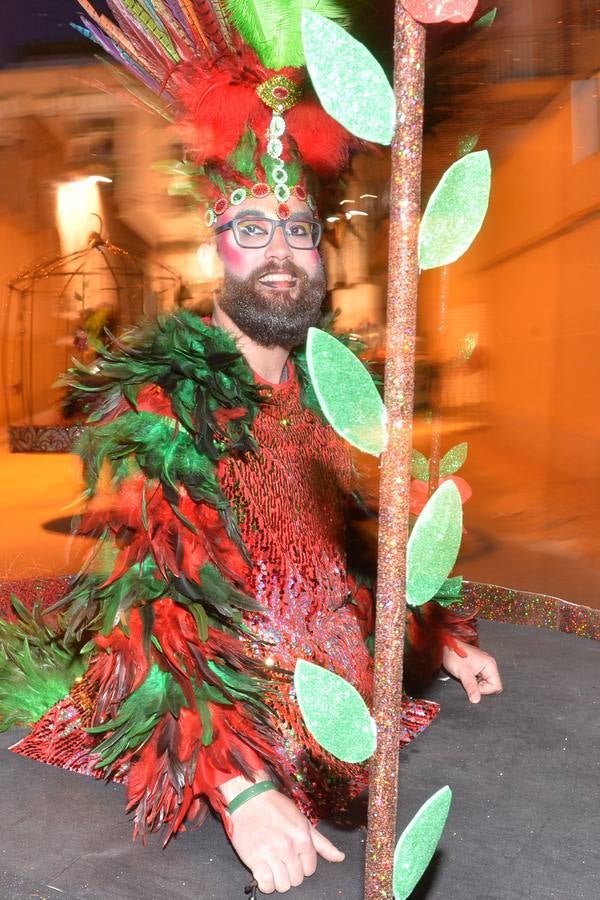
[{"x": 278, "y": 843}]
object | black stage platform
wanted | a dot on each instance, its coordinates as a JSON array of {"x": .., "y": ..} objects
[{"x": 525, "y": 822}]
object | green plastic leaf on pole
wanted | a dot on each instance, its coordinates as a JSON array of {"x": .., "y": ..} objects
[
  {"x": 334, "y": 713},
  {"x": 451, "y": 588},
  {"x": 350, "y": 83},
  {"x": 487, "y": 20},
  {"x": 418, "y": 843},
  {"x": 466, "y": 144},
  {"x": 450, "y": 591},
  {"x": 346, "y": 393},
  {"x": 433, "y": 544},
  {"x": 419, "y": 466},
  {"x": 456, "y": 210},
  {"x": 454, "y": 459}
]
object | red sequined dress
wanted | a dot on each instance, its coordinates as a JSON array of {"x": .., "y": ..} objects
[{"x": 291, "y": 503}]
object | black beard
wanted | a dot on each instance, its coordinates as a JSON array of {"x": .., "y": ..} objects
[{"x": 276, "y": 318}]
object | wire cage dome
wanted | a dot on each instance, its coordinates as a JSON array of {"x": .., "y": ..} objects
[{"x": 61, "y": 310}]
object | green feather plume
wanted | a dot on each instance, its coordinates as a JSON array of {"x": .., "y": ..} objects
[
  {"x": 36, "y": 668},
  {"x": 242, "y": 158},
  {"x": 138, "y": 716},
  {"x": 273, "y": 27}
]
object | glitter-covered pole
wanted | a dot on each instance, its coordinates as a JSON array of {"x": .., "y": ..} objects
[{"x": 409, "y": 56}]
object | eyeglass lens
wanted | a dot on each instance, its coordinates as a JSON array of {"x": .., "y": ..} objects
[{"x": 300, "y": 234}]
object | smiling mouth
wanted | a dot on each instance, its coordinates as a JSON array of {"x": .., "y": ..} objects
[{"x": 278, "y": 281}]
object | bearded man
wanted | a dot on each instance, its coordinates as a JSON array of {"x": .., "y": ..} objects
[
  {"x": 273, "y": 291},
  {"x": 223, "y": 535}
]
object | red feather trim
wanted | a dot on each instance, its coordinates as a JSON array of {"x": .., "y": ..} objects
[
  {"x": 219, "y": 101},
  {"x": 324, "y": 145},
  {"x": 119, "y": 671}
]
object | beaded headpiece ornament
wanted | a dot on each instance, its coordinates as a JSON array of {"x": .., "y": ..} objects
[{"x": 231, "y": 73}]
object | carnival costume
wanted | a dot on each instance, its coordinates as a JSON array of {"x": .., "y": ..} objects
[{"x": 221, "y": 555}]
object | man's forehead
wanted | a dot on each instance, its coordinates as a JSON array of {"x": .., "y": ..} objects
[{"x": 266, "y": 208}]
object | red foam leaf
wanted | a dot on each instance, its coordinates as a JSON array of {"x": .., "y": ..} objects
[{"x": 431, "y": 11}]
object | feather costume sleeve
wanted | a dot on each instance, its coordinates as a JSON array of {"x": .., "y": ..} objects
[{"x": 178, "y": 697}]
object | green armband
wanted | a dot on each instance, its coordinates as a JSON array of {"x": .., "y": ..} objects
[{"x": 259, "y": 788}]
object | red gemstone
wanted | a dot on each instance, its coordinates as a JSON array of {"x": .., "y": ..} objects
[
  {"x": 260, "y": 190},
  {"x": 300, "y": 192},
  {"x": 283, "y": 211},
  {"x": 220, "y": 206},
  {"x": 281, "y": 93}
]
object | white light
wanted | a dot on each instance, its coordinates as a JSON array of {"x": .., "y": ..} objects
[
  {"x": 98, "y": 179},
  {"x": 372, "y": 196},
  {"x": 346, "y": 201},
  {"x": 332, "y": 219},
  {"x": 208, "y": 261},
  {"x": 355, "y": 212},
  {"x": 78, "y": 207}
]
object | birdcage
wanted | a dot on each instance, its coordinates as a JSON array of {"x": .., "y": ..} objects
[{"x": 63, "y": 310}]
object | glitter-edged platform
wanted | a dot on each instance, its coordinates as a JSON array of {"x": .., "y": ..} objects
[
  {"x": 523, "y": 822},
  {"x": 522, "y": 767}
]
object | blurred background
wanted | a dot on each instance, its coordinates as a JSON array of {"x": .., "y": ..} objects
[{"x": 89, "y": 239}]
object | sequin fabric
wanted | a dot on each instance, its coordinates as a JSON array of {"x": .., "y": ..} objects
[
  {"x": 59, "y": 738},
  {"x": 289, "y": 498},
  {"x": 30, "y": 592}
]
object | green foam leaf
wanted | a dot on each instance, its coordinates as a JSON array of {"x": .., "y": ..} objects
[
  {"x": 486, "y": 20},
  {"x": 433, "y": 544},
  {"x": 419, "y": 467},
  {"x": 466, "y": 144},
  {"x": 450, "y": 592},
  {"x": 418, "y": 843},
  {"x": 349, "y": 81},
  {"x": 346, "y": 393},
  {"x": 456, "y": 210},
  {"x": 451, "y": 588},
  {"x": 335, "y": 713},
  {"x": 454, "y": 459}
]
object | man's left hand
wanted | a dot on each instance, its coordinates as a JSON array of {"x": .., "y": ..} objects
[{"x": 477, "y": 670}]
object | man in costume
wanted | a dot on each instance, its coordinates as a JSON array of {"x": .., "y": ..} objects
[{"x": 221, "y": 558}]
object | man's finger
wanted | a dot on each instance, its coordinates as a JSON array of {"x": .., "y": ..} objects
[
  {"x": 309, "y": 861},
  {"x": 469, "y": 682},
  {"x": 295, "y": 870},
  {"x": 325, "y": 848},
  {"x": 281, "y": 876},
  {"x": 490, "y": 681},
  {"x": 264, "y": 877}
]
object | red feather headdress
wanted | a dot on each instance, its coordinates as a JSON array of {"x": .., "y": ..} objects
[{"x": 251, "y": 129}]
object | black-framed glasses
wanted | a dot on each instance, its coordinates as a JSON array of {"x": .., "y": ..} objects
[{"x": 253, "y": 232}]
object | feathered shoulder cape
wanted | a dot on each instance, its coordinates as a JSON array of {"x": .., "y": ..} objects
[{"x": 175, "y": 696}]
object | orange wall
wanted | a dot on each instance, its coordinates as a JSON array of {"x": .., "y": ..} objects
[{"x": 536, "y": 266}]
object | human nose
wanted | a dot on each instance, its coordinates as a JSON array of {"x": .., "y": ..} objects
[{"x": 278, "y": 246}]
